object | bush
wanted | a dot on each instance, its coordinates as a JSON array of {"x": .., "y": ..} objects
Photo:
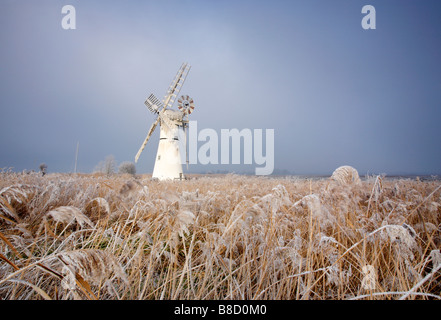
[
  {"x": 127, "y": 167},
  {"x": 107, "y": 166},
  {"x": 43, "y": 168}
]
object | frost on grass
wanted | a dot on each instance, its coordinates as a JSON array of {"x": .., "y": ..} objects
[
  {"x": 95, "y": 266},
  {"x": 217, "y": 237},
  {"x": 346, "y": 175},
  {"x": 184, "y": 219},
  {"x": 14, "y": 200},
  {"x": 68, "y": 215},
  {"x": 436, "y": 258}
]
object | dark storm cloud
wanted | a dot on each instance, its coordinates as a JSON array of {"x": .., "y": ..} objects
[{"x": 334, "y": 93}]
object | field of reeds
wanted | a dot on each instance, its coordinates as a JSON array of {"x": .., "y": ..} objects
[{"x": 91, "y": 236}]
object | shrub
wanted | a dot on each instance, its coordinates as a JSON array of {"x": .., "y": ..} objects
[
  {"x": 107, "y": 166},
  {"x": 127, "y": 167}
]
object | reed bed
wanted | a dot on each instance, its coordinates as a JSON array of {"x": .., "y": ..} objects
[{"x": 90, "y": 236}]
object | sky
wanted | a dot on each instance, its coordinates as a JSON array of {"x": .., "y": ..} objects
[{"x": 334, "y": 93}]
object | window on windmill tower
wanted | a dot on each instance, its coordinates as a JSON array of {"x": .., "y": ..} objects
[{"x": 159, "y": 157}]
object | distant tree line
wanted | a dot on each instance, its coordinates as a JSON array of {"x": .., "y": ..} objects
[{"x": 108, "y": 166}]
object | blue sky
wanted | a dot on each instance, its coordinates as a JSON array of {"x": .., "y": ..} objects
[{"x": 334, "y": 93}]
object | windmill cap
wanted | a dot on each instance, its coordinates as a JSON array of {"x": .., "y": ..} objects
[{"x": 174, "y": 114}]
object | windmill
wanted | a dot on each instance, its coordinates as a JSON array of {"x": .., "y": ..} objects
[{"x": 168, "y": 164}]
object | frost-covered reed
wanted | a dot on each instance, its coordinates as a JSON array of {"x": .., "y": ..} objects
[{"x": 218, "y": 237}]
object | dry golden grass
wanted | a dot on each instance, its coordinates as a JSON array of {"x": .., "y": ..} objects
[{"x": 218, "y": 237}]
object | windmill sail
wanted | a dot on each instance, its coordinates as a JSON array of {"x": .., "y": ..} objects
[
  {"x": 153, "y": 103},
  {"x": 176, "y": 85},
  {"x": 149, "y": 134}
]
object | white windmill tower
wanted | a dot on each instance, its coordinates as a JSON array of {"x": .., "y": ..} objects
[{"x": 168, "y": 163}]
